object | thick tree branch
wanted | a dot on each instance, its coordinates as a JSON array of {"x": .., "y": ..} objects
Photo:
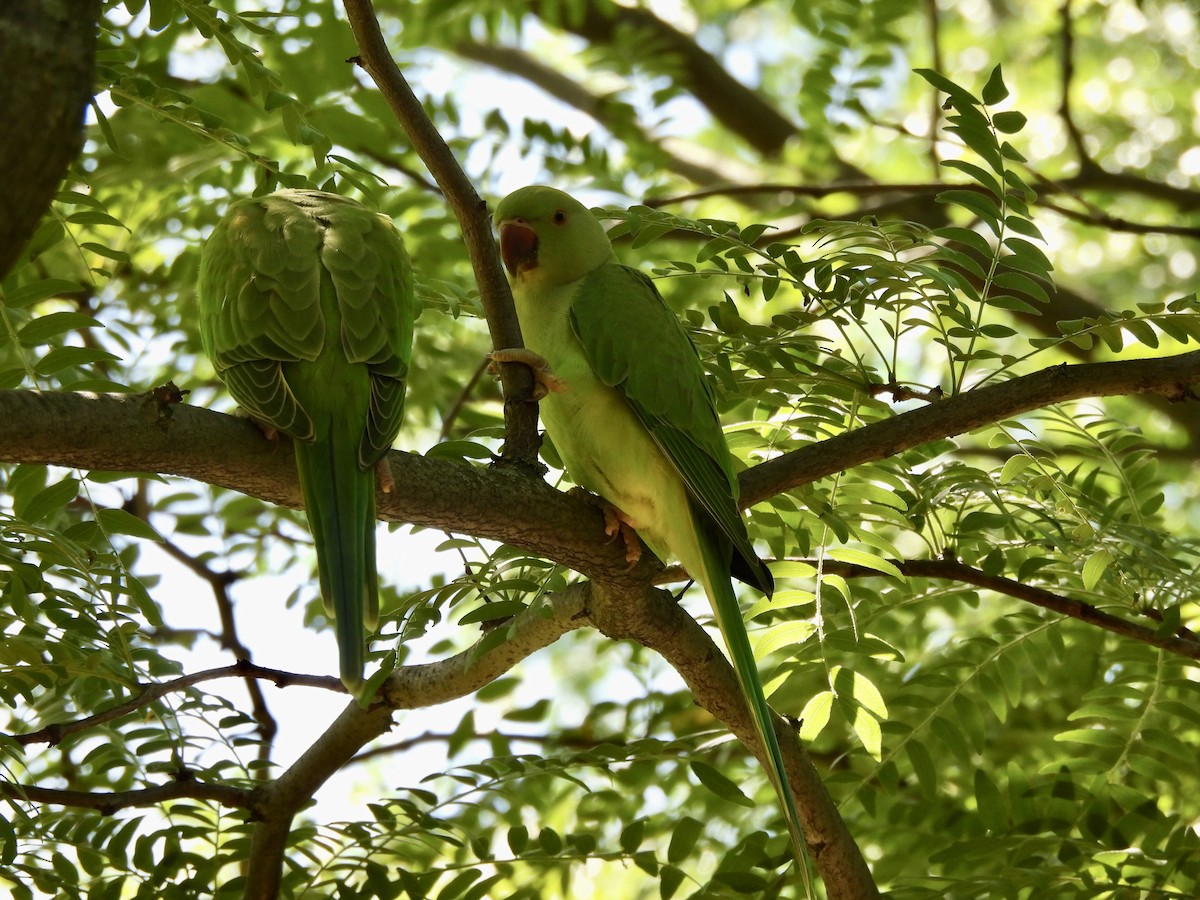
[
  {"x": 520, "y": 415},
  {"x": 118, "y": 432},
  {"x": 618, "y": 117},
  {"x": 408, "y": 688},
  {"x": 1171, "y": 376},
  {"x": 740, "y": 109},
  {"x": 629, "y": 609}
]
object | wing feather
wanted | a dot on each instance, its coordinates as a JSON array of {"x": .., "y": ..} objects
[
  {"x": 260, "y": 296},
  {"x": 635, "y": 344}
]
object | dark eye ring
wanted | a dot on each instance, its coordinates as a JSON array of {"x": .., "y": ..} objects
[{"x": 559, "y": 217}]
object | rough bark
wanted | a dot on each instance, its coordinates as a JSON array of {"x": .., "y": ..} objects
[{"x": 49, "y": 48}]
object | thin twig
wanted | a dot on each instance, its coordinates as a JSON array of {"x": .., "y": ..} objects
[
  {"x": 109, "y": 802},
  {"x": 53, "y": 734},
  {"x": 1116, "y": 223},
  {"x": 452, "y": 414},
  {"x": 1183, "y": 643},
  {"x": 1067, "y": 69},
  {"x": 229, "y": 639},
  {"x": 935, "y": 102}
]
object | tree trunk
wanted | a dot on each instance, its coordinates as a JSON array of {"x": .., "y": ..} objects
[{"x": 47, "y": 54}]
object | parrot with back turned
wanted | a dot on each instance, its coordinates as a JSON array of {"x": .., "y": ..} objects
[
  {"x": 633, "y": 417},
  {"x": 306, "y": 311}
]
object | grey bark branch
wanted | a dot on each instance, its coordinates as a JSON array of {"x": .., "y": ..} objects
[{"x": 120, "y": 432}]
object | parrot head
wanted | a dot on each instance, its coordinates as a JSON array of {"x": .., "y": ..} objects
[{"x": 549, "y": 238}]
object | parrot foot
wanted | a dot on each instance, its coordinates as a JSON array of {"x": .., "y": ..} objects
[
  {"x": 546, "y": 382},
  {"x": 270, "y": 432},
  {"x": 617, "y": 523},
  {"x": 383, "y": 476}
]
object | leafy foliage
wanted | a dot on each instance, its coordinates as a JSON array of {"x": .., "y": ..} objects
[{"x": 879, "y": 242}]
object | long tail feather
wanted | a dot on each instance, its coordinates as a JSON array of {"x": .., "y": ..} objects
[
  {"x": 340, "y": 501},
  {"x": 717, "y": 584}
]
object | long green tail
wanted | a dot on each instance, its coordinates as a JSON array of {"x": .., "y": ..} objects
[
  {"x": 340, "y": 501},
  {"x": 719, "y": 588}
]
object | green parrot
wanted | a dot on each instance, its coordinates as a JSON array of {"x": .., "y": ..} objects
[
  {"x": 633, "y": 417},
  {"x": 306, "y": 311}
]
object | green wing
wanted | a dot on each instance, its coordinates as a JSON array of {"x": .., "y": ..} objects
[
  {"x": 635, "y": 344},
  {"x": 306, "y": 311}
]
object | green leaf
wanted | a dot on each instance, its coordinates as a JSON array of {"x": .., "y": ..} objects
[
  {"x": 848, "y": 684},
  {"x": 974, "y": 202},
  {"x": 1009, "y": 122},
  {"x": 815, "y": 716},
  {"x": 1014, "y": 466},
  {"x": 94, "y": 217},
  {"x": 459, "y": 883},
  {"x": 923, "y": 768},
  {"x": 47, "y": 501},
  {"x": 118, "y": 521},
  {"x": 720, "y": 785},
  {"x": 57, "y": 359},
  {"x": 959, "y": 96},
  {"x": 789, "y": 634},
  {"x": 866, "y": 560},
  {"x": 43, "y": 289},
  {"x": 989, "y": 803},
  {"x": 994, "y": 91},
  {"x": 1093, "y": 737},
  {"x": 632, "y": 835},
  {"x": 518, "y": 839},
  {"x": 669, "y": 880},
  {"x": 684, "y": 835},
  {"x": 1095, "y": 567},
  {"x": 493, "y": 610},
  {"x": 977, "y": 174},
  {"x": 43, "y": 329}
]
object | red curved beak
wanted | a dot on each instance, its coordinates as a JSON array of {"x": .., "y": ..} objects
[{"x": 518, "y": 247}]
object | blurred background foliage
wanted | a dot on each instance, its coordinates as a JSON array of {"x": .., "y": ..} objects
[{"x": 846, "y": 239}]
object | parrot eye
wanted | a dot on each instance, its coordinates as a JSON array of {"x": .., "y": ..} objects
[{"x": 560, "y": 216}]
